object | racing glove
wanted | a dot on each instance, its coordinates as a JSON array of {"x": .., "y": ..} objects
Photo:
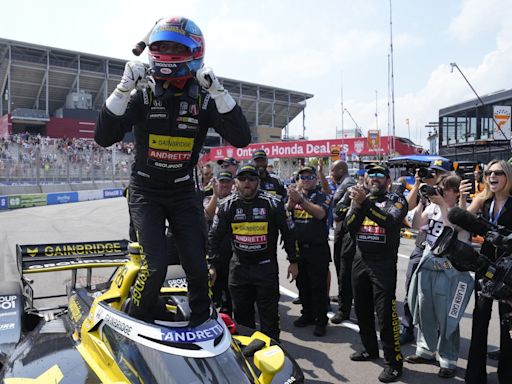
[
  {"x": 118, "y": 100},
  {"x": 223, "y": 100}
]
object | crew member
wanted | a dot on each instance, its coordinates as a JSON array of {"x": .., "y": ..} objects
[
  {"x": 375, "y": 220},
  {"x": 344, "y": 246},
  {"x": 228, "y": 164},
  {"x": 267, "y": 182},
  {"x": 309, "y": 206},
  {"x": 222, "y": 187},
  {"x": 170, "y": 118},
  {"x": 254, "y": 219}
]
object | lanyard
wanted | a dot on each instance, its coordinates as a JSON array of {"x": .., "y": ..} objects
[{"x": 491, "y": 210}]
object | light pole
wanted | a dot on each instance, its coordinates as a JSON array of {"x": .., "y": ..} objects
[{"x": 454, "y": 65}]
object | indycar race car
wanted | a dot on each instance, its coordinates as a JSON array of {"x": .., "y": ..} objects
[{"x": 92, "y": 339}]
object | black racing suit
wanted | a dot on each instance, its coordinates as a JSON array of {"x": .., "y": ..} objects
[
  {"x": 376, "y": 227},
  {"x": 273, "y": 185},
  {"x": 169, "y": 134},
  {"x": 254, "y": 226},
  {"x": 314, "y": 257},
  {"x": 344, "y": 246}
]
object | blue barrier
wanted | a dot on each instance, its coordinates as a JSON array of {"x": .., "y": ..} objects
[
  {"x": 112, "y": 192},
  {"x": 3, "y": 202},
  {"x": 62, "y": 197}
]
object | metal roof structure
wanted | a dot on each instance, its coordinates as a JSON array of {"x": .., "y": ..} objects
[
  {"x": 491, "y": 98},
  {"x": 35, "y": 81}
]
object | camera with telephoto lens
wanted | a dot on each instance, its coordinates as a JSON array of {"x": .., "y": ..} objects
[
  {"x": 426, "y": 191},
  {"x": 426, "y": 173},
  {"x": 497, "y": 275}
]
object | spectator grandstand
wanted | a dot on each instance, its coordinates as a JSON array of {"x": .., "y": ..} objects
[{"x": 35, "y": 159}]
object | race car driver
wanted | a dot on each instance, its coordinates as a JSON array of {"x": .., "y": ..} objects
[
  {"x": 267, "y": 182},
  {"x": 170, "y": 118},
  {"x": 254, "y": 219},
  {"x": 375, "y": 220}
]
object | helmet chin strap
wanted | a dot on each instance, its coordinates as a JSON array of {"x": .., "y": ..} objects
[{"x": 163, "y": 87}]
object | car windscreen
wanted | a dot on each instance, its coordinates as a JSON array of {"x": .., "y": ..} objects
[{"x": 142, "y": 364}]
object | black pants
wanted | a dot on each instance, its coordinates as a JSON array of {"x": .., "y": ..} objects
[
  {"x": 374, "y": 285},
  {"x": 344, "y": 250},
  {"x": 412, "y": 265},
  {"x": 258, "y": 284},
  {"x": 477, "y": 359},
  {"x": 312, "y": 281},
  {"x": 220, "y": 289},
  {"x": 149, "y": 209}
]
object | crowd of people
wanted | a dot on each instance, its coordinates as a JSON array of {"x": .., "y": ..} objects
[
  {"x": 27, "y": 158},
  {"x": 247, "y": 206}
]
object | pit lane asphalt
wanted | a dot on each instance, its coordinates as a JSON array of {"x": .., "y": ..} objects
[{"x": 323, "y": 360}]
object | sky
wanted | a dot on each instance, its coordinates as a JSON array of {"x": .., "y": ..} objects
[{"x": 328, "y": 48}]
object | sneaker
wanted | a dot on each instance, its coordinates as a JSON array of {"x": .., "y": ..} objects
[
  {"x": 415, "y": 359},
  {"x": 406, "y": 338},
  {"x": 339, "y": 317},
  {"x": 362, "y": 356},
  {"x": 303, "y": 322},
  {"x": 446, "y": 373},
  {"x": 390, "y": 375},
  {"x": 296, "y": 301},
  {"x": 320, "y": 330}
]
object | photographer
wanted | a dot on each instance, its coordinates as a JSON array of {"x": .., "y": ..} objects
[
  {"x": 495, "y": 205},
  {"x": 437, "y": 285},
  {"x": 431, "y": 176}
]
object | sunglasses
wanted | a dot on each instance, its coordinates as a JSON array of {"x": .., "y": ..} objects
[
  {"x": 496, "y": 173},
  {"x": 252, "y": 179},
  {"x": 307, "y": 177},
  {"x": 376, "y": 175}
]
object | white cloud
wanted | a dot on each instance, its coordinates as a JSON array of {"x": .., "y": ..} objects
[{"x": 478, "y": 16}]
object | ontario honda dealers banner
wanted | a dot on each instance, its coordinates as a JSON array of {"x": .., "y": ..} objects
[{"x": 314, "y": 148}]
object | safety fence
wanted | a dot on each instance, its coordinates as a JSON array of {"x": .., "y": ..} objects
[{"x": 40, "y": 161}]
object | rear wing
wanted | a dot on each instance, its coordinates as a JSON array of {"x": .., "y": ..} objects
[{"x": 34, "y": 258}]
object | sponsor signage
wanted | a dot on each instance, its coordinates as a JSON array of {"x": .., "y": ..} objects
[
  {"x": 313, "y": 148},
  {"x": 62, "y": 198},
  {"x": 24, "y": 201},
  {"x": 501, "y": 114},
  {"x": 112, "y": 192},
  {"x": 374, "y": 139},
  {"x": 207, "y": 331},
  {"x": 4, "y": 202},
  {"x": 96, "y": 194}
]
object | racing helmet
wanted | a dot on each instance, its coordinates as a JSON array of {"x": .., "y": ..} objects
[{"x": 176, "y": 50}]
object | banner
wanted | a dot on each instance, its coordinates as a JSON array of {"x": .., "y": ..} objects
[
  {"x": 96, "y": 194},
  {"x": 112, "y": 192},
  {"x": 353, "y": 146},
  {"x": 4, "y": 202},
  {"x": 501, "y": 114},
  {"x": 62, "y": 198},
  {"x": 373, "y": 138},
  {"x": 25, "y": 201}
]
